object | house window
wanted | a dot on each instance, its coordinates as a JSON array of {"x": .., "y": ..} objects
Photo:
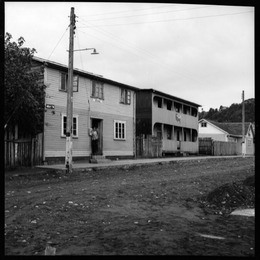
[
  {"x": 177, "y": 107},
  {"x": 64, "y": 126},
  {"x": 203, "y": 124},
  {"x": 194, "y": 112},
  {"x": 168, "y": 104},
  {"x": 160, "y": 102},
  {"x": 125, "y": 96},
  {"x": 194, "y": 135},
  {"x": 168, "y": 131},
  {"x": 186, "y": 110},
  {"x": 97, "y": 90},
  {"x": 64, "y": 82},
  {"x": 119, "y": 130}
]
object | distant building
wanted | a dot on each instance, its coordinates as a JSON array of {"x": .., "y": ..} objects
[
  {"x": 172, "y": 119},
  {"x": 228, "y": 132}
]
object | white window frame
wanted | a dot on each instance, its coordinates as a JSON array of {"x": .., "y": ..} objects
[
  {"x": 64, "y": 130},
  {"x": 203, "y": 124},
  {"x": 119, "y": 130}
]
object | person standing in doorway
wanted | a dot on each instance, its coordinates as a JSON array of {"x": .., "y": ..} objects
[{"x": 94, "y": 140}]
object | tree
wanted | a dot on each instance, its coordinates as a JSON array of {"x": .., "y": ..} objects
[
  {"x": 232, "y": 113},
  {"x": 24, "y": 89}
]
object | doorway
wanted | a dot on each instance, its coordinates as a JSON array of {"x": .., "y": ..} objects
[{"x": 98, "y": 124}]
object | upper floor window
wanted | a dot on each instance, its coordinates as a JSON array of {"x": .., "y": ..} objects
[
  {"x": 64, "y": 82},
  {"x": 97, "y": 89},
  {"x": 125, "y": 97},
  {"x": 158, "y": 101},
  {"x": 194, "y": 112},
  {"x": 203, "y": 124},
  {"x": 186, "y": 110},
  {"x": 177, "y": 107},
  {"x": 168, "y": 104}
]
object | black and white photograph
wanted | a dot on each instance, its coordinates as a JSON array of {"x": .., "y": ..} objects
[{"x": 129, "y": 128}]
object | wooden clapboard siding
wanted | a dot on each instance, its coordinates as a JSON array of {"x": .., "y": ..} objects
[
  {"x": 85, "y": 107},
  {"x": 54, "y": 141},
  {"x": 82, "y": 99}
]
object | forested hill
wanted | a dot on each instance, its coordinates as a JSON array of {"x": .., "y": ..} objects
[{"x": 232, "y": 113}]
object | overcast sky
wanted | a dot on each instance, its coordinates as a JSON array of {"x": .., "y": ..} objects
[{"x": 201, "y": 53}]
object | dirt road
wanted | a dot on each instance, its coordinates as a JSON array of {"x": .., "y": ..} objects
[{"x": 145, "y": 210}]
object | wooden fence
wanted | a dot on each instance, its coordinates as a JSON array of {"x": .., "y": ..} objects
[
  {"x": 149, "y": 146},
  {"x": 23, "y": 152},
  {"x": 208, "y": 146}
]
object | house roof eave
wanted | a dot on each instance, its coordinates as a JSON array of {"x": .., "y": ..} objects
[{"x": 90, "y": 75}]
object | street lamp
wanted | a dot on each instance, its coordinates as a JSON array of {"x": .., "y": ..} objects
[{"x": 86, "y": 49}]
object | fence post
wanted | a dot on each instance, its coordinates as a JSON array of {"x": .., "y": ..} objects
[{"x": 32, "y": 152}]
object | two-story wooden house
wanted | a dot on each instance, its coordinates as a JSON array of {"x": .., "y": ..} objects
[
  {"x": 172, "y": 119},
  {"x": 97, "y": 102}
]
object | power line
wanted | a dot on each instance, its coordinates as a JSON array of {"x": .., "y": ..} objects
[
  {"x": 169, "y": 11},
  {"x": 58, "y": 42},
  {"x": 137, "y": 53},
  {"x": 77, "y": 34},
  {"x": 169, "y": 20},
  {"x": 126, "y": 11},
  {"x": 139, "y": 50}
]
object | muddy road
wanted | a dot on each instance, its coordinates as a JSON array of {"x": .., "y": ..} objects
[{"x": 134, "y": 210}]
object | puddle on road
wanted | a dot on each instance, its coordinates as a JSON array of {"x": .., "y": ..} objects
[
  {"x": 210, "y": 236},
  {"x": 244, "y": 212}
]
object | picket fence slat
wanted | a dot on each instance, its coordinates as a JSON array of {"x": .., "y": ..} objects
[
  {"x": 148, "y": 146},
  {"x": 208, "y": 146},
  {"x": 23, "y": 152}
]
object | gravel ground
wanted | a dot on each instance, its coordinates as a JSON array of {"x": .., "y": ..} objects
[{"x": 178, "y": 208}]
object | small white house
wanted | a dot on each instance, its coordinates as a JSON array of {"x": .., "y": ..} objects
[{"x": 228, "y": 132}]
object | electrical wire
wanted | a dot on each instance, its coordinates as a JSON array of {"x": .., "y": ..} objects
[
  {"x": 142, "y": 56},
  {"x": 77, "y": 36},
  {"x": 169, "y": 20},
  {"x": 142, "y": 51},
  {"x": 126, "y": 11},
  {"x": 58, "y": 42},
  {"x": 169, "y": 11}
]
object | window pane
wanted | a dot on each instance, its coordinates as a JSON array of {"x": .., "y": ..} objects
[
  {"x": 119, "y": 124},
  {"x": 93, "y": 88},
  {"x": 63, "y": 81},
  {"x": 116, "y": 130},
  {"x": 122, "y": 96},
  {"x": 102, "y": 91},
  {"x": 75, "y": 83},
  {"x": 74, "y": 127},
  {"x": 123, "y": 130},
  {"x": 128, "y": 97},
  {"x": 64, "y": 124}
]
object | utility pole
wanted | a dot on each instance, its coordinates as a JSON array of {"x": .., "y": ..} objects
[
  {"x": 243, "y": 124},
  {"x": 68, "y": 156}
]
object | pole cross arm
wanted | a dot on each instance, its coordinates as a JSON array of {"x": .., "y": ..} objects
[{"x": 86, "y": 49}]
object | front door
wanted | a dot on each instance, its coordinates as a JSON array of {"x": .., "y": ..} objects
[{"x": 98, "y": 124}]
